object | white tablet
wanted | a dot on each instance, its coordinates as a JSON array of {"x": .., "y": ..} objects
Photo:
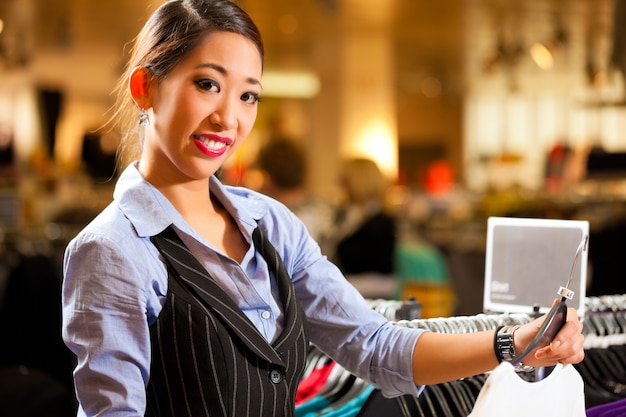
[{"x": 528, "y": 260}]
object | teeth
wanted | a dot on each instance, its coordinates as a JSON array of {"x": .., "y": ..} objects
[{"x": 212, "y": 144}]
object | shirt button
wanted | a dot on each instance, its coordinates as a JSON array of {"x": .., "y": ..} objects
[
  {"x": 266, "y": 314},
  {"x": 276, "y": 376}
]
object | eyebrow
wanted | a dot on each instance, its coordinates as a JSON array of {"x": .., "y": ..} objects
[{"x": 222, "y": 70}]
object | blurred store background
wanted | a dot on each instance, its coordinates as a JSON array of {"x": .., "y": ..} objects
[{"x": 470, "y": 108}]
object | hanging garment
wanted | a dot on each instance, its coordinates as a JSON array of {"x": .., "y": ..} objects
[
  {"x": 314, "y": 382},
  {"x": 560, "y": 394},
  {"x": 208, "y": 358},
  {"x": 613, "y": 409},
  {"x": 604, "y": 373},
  {"x": 348, "y": 406}
]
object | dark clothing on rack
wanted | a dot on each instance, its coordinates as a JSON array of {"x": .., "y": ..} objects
[
  {"x": 30, "y": 319},
  {"x": 605, "y": 258},
  {"x": 35, "y": 366},
  {"x": 604, "y": 373},
  {"x": 370, "y": 248},
  {"x": 612, "y": 409},
  {"x": 29, "y": 392},
  {"x": 228, "y": 368}
]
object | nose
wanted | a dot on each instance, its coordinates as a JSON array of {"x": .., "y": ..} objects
[{"x": 225, "y": 114}]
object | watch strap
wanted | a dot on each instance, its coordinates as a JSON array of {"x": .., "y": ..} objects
[{"x": 503, "y": 343}]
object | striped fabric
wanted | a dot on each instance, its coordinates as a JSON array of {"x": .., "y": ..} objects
[{"x": 208, "y": 359}]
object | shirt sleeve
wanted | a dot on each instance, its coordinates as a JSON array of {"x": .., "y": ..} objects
[
  {"x": 341, "y": 322},
  {"x": 104, "y": 324}
]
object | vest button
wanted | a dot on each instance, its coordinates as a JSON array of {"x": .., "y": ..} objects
[{"x": 276, "y": 376}]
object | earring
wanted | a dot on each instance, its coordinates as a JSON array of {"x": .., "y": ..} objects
[{"x": 143, "y": 118}]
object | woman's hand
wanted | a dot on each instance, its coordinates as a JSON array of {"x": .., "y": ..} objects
[
  {"x": 440, "y": 357},
  {"x": 566, "y": 347}
]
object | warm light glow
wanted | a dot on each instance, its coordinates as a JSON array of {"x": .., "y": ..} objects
[
  {"x": 79, "y": 116},
  {"x": 376, "y": 140},
  {"x": 367, "y": 102},
  {"x": 542, "y": 56},
  {"x": 292, "y": 84},
  {"x": 1, "y": 25},
  {"x": 27, "y": 133}
]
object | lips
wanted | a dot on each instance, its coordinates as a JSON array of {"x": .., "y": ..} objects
[{"x": 212, "y": 145}]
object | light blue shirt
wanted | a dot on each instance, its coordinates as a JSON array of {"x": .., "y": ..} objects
[{"x": 115, "y": 285}]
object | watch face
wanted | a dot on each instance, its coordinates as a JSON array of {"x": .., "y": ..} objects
[{"x": 528, "y": 261}]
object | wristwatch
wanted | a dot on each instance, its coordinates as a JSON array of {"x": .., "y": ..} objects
[
  {"x": 505, "y": 349},
  {"x": 503, "y": 343}
]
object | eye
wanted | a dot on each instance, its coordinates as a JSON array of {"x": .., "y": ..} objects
[
  {"x": 208, "y": 85},
  {"x": 251, "y": 98}
]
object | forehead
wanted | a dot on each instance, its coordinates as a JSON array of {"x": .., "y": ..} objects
[{"x": 232, "y": 51}]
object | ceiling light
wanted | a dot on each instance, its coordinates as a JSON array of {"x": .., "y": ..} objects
[
  {"x": 542, "y": 56},
  {"x": 290, "y": 84}
]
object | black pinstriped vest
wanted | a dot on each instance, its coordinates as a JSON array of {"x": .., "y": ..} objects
[{"x": 208, "y": 359}]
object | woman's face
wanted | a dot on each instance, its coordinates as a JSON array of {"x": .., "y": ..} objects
[{"x": 202, "y": 111}]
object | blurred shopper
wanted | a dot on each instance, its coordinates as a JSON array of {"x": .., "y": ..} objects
[
  {"x": 366, "y": 229},
  {"x": 284, "y": 166}
]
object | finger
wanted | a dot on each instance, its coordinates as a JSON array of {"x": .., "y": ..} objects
[
  {"x": 567, "y": 347},
  {"x": 573, "y": 352}
]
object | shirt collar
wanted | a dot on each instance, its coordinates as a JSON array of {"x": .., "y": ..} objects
[{"x": 150, "y": 212}]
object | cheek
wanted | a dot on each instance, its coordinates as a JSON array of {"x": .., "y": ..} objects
[
  {"x": 247, "y": 123},
  {"x": 182, "y": 118}
]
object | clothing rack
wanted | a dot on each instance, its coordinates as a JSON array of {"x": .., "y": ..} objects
[
  {"x": 395, "y": 310},
  {"x": 605, "y": 321},
  {"x": 346, "y": 395},
  {"x": 603, "y": 370},
  {"x": 604, "y": 366},
  {"x": 467, "y": 324}
]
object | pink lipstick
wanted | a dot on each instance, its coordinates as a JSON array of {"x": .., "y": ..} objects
[{"x": 211, "y": 144}]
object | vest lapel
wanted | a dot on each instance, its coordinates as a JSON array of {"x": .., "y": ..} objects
[
  {"x": 294, "y": 315},
  {"x": 199, "y": 282}
]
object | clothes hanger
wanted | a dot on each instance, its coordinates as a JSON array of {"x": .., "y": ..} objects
[
  {"x": 598, "y": 388},
  {"x": 336, "y": 406},
  {"x": 466, "y": 396},
  {"x": 604, "y": 323},
  {"x": 441, "y": 401},
  {"x": 313, "y": 360},
  {"x": 557, "y": 316},
  {"x": 453, "y": 392},
  {"x": 340, "y": 387},
  {"x": 425, "y": 396},
  {"x": 611, "y": 372},
  {"x": 474, "y": 385},
  {"x": 413, "y": 406}
]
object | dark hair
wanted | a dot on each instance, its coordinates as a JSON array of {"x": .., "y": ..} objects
[
  {"x": 284, "y": 161},
  {"x": 166, "y": 39}
]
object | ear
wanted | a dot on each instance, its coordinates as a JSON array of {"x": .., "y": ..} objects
[{"x": 139, "y": 87}]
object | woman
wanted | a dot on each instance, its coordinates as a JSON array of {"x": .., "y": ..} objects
[
  {"x": 366, "y": 229},
  {"x": 175, "y": 302}
]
